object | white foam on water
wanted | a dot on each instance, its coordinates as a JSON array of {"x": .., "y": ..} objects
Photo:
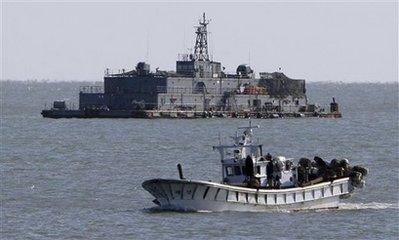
[
  {"x": 372, "y": 205},
  {"x": 341, "y": 206},
  {"x": 204, "y": 211}
]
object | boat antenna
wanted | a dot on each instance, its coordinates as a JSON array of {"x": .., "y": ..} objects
[
  {"x": 236, "y": 138},
  {"x": 184, "y": 39},
  {"x": 249, "y": 57},
  {"x": 148, "y": 49},
  {"x": 250, "y": 126}
]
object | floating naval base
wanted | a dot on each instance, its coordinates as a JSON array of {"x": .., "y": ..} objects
[{"x": 199, "y": 88}]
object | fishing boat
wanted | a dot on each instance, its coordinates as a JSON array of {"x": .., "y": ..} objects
[{"x": 252, "y": 181}]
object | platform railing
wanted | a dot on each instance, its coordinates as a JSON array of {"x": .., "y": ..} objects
[
  {"x": 91, "y": 89},
  {"x": 112, "y": 72},
  {"x": 189, "y": 90},
  {"x": 68, "y": 106}
]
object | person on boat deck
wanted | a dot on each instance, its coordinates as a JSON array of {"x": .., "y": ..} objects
[{"x": 269, "y": 170}]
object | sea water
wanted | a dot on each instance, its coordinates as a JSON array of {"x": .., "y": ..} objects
[{"x": 81, "y": 178}]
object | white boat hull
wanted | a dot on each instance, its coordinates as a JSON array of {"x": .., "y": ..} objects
[{"x": 187, "y": 195}]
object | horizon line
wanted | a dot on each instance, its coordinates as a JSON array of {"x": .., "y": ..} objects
[{"x": 96, "y": 81}]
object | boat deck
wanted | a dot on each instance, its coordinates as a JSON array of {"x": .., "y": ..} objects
[{"x": 57, "y": 113}]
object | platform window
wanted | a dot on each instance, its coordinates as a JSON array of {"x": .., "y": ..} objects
[
  {"x": 229, "y": 171},
  {"x": 243, "y": 171},
  {"x": 237, "y": 170}
]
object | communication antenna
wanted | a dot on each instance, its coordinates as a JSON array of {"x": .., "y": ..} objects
[
  {"x": 249, "y": 57},
  {"x": 148, "y": 48},
  {"x": 210, "y": 45},
  {"x": 184, "y": 38},
  {"x": 201, "y": 42}
]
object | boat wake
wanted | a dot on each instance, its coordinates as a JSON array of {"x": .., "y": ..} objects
[
  {"x": 341, "y": 207},
  {"x": 363, "y": 206},
  {"x": 158, "y": 209}
]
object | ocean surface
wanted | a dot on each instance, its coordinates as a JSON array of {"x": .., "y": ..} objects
[{"x": 81, "y": 178}]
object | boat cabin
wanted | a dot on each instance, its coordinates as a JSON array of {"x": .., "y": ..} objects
[{"x": 243, "y": 162}]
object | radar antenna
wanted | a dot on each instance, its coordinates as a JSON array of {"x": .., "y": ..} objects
[{"x": 201, "y": 42}]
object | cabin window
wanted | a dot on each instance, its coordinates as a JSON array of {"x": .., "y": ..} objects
[
  {"x": 236, "y": 154},
  {"x": 229, "y": 171},
  {"x": 258, "y": 169},
  {"x": 227, "y": 152},
  {"x": 237, "y": 170}
]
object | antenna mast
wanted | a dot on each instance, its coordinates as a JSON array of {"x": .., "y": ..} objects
[
  {"x": 249, "y": 57},
  {"x": 201, "y": 42},
  {"x": 148, "y": 49}
]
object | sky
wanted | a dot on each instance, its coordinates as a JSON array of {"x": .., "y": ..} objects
[{"x": 317, "y": 41}]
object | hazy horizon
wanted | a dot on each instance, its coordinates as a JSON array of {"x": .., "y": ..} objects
[
  {"x": 319, "y": 42},
  {"x": 101, "y": 81}
]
